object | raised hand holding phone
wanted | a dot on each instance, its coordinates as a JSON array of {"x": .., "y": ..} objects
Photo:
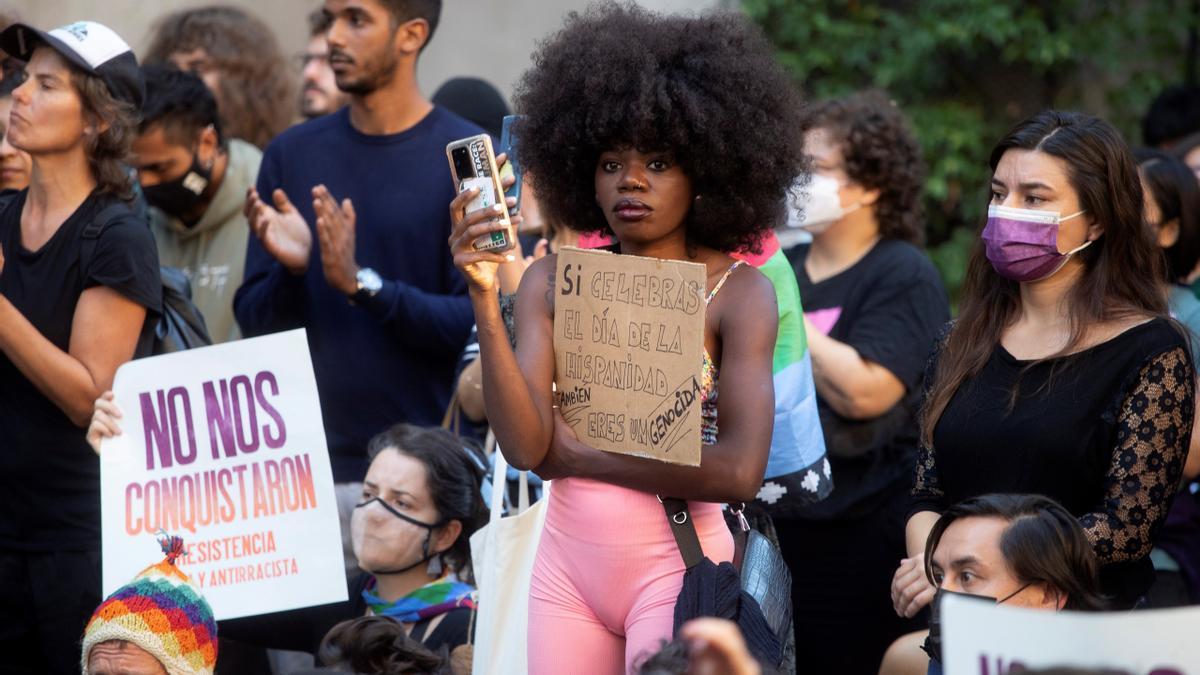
[
  {"x": 474, "y": 166},
  {"x": 469, "y": 225}
]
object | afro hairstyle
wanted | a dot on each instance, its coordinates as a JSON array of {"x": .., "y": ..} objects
[{"x": 704, "y": 88}]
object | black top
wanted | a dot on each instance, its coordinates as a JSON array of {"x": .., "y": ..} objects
[
  {"x": 1104, "y": 432},
  {"x": 302, "y": 630},
  {"x": 889, "y": 307},
  {"x": 49, "y": 476}
]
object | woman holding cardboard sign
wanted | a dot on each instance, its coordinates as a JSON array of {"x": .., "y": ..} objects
[{"x": 663, "y": 158}]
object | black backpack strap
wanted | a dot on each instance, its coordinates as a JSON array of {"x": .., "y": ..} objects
[{"x": 92, "y": 231}]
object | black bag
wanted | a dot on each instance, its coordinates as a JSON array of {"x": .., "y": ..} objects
[
  {"x": 181, "y": 325},
  {"x": 756, "y": 594}
]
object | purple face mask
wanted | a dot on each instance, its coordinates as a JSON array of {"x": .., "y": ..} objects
[{"x": 1022, "y": 244}]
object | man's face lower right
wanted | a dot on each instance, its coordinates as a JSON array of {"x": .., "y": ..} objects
[{"x": 362, "y": 49}]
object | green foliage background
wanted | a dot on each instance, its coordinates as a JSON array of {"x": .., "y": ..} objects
[{"x": 966, "y": 70}]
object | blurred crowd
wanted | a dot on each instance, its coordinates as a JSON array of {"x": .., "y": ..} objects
[{"x": 1032, "y": 445}]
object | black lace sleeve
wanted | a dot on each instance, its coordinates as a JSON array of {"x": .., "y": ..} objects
[
  {"x": 1153, "y": 432},
  {"x": 927, "y": 494}
]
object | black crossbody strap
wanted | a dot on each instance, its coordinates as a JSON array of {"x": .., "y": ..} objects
[
  {"x": 91, "y": 232},
  {"x": 680, "y": 520}
]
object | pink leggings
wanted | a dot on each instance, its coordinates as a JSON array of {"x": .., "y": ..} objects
[{"x": 606, "y": 577}]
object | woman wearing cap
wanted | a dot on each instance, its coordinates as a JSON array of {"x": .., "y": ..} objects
[
  {"x": 78, "y": 281},
  {"x": 1063, "y": 375}
]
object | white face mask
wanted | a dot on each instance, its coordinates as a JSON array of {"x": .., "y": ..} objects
[{"x": 823, "y": 207}]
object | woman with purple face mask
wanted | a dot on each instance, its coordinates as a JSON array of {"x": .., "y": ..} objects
[{"x": 1063, "y": 375}]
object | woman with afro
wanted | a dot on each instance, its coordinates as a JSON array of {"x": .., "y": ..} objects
[{"x": 680, "y": 137}]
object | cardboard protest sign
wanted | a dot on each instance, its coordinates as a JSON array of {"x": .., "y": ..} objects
[
  {"x": 981, "y": 638},
  {"x": 225, "y": 447},
  {"x": 628, "y": 349}
]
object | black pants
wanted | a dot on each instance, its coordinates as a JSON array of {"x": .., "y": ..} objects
[
  {"x": 46, "y": 600},
  {"x": 841, "y": 587}
]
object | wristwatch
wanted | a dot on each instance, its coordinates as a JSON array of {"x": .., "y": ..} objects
[{"x": 369, "y": 284}]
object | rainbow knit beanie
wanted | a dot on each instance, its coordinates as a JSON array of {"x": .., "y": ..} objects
[{"x": 162, "y": 612}]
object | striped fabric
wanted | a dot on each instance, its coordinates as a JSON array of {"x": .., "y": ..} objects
[
  {"x": 162, "y": 612},
  {"x": 797, "y": 471}
]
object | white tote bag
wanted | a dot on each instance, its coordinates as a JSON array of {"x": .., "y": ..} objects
[{"x": 502, "y": 555}]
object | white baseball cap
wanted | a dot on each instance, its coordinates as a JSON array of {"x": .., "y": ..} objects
[{"x": 90, "y": 46}]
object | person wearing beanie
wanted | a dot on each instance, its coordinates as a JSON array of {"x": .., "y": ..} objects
[{"x": 159, "y": 623}]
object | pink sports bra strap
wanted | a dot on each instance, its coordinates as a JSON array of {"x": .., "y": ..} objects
[{"x": 724, "y": 277}]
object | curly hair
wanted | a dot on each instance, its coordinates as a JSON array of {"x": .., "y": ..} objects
[
  {"x": 879, "y": 152},
  {"x": 256, "y": 89},
  {"x": 116, "y": 124},
  {"x": 704, "y": 88}
]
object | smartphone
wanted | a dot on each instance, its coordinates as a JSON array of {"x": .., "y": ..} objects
[
  {"x": 508, "y": 145},
  {"x": 473, "y": 164}
]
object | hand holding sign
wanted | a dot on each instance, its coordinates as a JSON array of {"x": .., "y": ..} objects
[
  {"x": 226, "y": 444},
  {"x": 628, "y": 347},
  {"x": 105, "y": 424}
]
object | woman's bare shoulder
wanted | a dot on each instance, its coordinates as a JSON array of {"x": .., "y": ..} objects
[{"x": 537, "y": 284}]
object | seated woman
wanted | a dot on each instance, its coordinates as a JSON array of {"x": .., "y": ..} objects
[
  {"x": 1022, "y": 550},
  {"x": 411, "y": 532}
]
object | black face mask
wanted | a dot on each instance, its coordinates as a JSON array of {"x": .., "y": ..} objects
[
  {"x": 933, "y": 643},
  {"x": 425, "y": 555},
  {"x": 182, "y": 196}
]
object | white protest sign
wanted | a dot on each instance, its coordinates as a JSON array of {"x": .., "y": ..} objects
[
  {"x": 224, "y": 446},
  {"x": 986, "y": 639},
  {"x": 628, "y": 348}
]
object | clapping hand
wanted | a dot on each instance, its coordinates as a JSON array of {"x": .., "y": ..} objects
[
  {"x": 336, "y": 234},
  {"x": 281, "y": 229}
]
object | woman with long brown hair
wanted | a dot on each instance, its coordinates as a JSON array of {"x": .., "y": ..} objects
[
  {"x": 78, "y": 280},
  {"x": 239, "y": 60},
  {"x": 1062, "y": 376}
]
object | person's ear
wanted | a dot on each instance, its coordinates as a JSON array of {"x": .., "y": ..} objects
[
  {"x": 207, "y": 147},
  {"x": 869, "y": 197},
  {"x": 1050, "y": 597},
  {"x": 1168, "y": 233},
  {"x": 446, "y": 535},
  {"x": 1095, "y": 230},
  {"x": 411, "y": 36}
]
